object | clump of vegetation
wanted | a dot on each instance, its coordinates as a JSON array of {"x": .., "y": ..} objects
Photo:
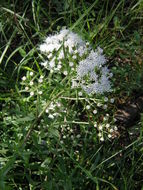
[{"x": 60, "y": 93}]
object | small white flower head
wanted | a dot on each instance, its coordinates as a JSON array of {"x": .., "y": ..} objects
[
  {"x": 78, "y": 136},
  {"x": 111, "y": 130},
  {"x": 74, "y": 56},
  {"x": 105, "y": 118},
  {"x": 100, "y": 127},
  {"x": 49, "y": 56},
  {"x": 65, "y": 73},
  {"x": 31, "y": 73},
  {"x": 59, "y": 66},
  {"x": 111, "y": 75},
  {"x": 40, "y": 80},
  {"x": 44, "y": 64},
  {"x": 52, "y": 106},
  {"x": 95, "y": 125},
  {"x": 32, "y": 93},
  {"x": 115, "y": 128},
  {"x": 51, "y": 116},
  {"x": 71, "y": 130},
  {"x": 112, "y": 100},
  {"x": 24, "y": 78},
  {"x": 26, "y": 88},
  {"x": 40, "y": 92},
  {"x": 107, "y": 125},
  {"x": 71, "y": 64},
  {"x": 105, "y": 107},
  {"x": 74, "y": 84},
  {"x": 47, "y": 111},
  {"x": 31, "y": 83},
  {"x": 88, "y": 107},
  {"x": 99, "y": 104},
  {"x": 41, "y": 77},
  {"x": 99, "y": 135},
  {"x": 109, "y": 136},
  {"x": 102, "y": 139},
  {"x": 55, "y": 114},
  {"x": 58, "y": 105},
  {"x": 80, "y": 93},
  {"x": 95, "y": 111},
  {"x": 106, "y": 99},
  {"x": 87, "y": 43}
]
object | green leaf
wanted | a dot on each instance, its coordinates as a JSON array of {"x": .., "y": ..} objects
[{"x": 22, "y": 52}]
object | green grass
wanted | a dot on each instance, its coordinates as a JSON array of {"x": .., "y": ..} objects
[{"x": 34, "y": 158}]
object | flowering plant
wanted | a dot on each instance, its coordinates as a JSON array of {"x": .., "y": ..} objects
[{"x": 80, "y": 74}]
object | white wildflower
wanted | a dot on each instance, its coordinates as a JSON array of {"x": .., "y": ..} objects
[
  {"x": 59, "y": 66},
  {"x": 100, "y": 127},
  {"x": 102, "y": 139},
  {"x": 106, "y": 99},
  {"x": 71, "y": 64},
  {"x": 26, "y": 88},
  {"x": 88, "y": 107},
  {"x": 99, "y": 104},
  {"x": 58, "y": 104},
  {"x": 112, "y": 100},
  {"x": 95, "y": 111},
  {"x": 31, "y": 73},
  {"x": 107, "y": 125},
  {"x": 80, "y": 93},
  {"x": 44, "y": 64},
  {"x": 105, "y": 107},
  {"x": 31, "y": 83},
  {"x": 40, "y": 80},
  {"x": 89, "y": 67},
  {"x": 51, "y": 116},
  {"x": 24, "y": 78},
  {"x": 47, "y": 111},
  {"x": 40, "y": 92},
  {"x": 109, "y": 136},
  {"x": 115, "y": 128},
  {"x": 32, "y": 93},
  {"x": 64, "y": 137},
  {"x": 41, "y": 77},
  {"x": 111, "y": 130},
  {"x": 74, "y": 83},
  {"x": 65, "y": 73},
  {"x": 92, "y": 67},
  {"x": 74, "y": 56},
  {"x": 49, "y": 56},
  {"x": 99, "y": 135}
]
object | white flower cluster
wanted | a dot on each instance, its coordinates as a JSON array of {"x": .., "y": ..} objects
[
  {"x": 106, "y": 129},
  {"x": 89, "y": 65},
  {"x": 70, "y": 40},
  {"x": 54, "y": 110},
  {"x": 93, "y": 73},
  {"x": 32, "y": 86}
]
